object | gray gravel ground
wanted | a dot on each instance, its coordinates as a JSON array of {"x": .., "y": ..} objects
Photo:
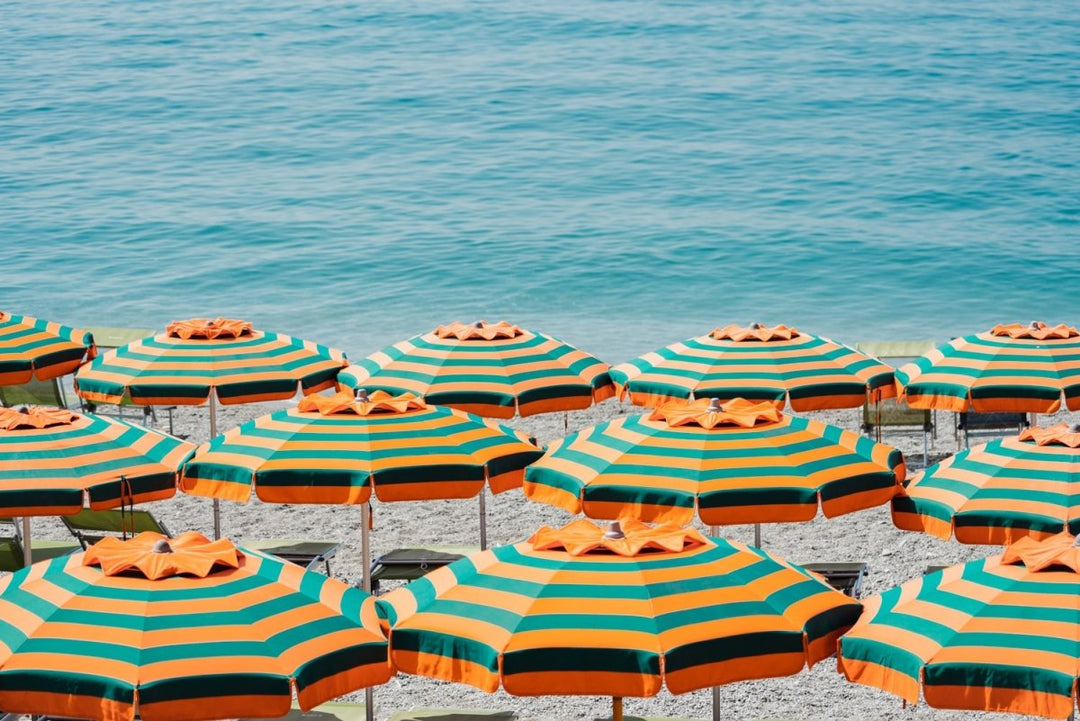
[{"x": 893, "y": 556}]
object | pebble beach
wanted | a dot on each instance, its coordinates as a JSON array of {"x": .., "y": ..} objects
[{"x": 893, "y": 556}]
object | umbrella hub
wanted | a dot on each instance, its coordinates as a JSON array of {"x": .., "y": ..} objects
[
  {"x": 208, "y": 328},
  {"x": 755, "y": 332},
  {"x": 625, "y": 537},
  {"x": 154, "y": 556},
  {"x": 710, "y": 413},
  {"x": 1035, "y": 329},
  {"x": 1054, "y": 553},
  {"x": 362, "y": 404},
  {"x": 1059, "y": 434},
  {"x": 25, "y": 417},
  {"x": 480, "y": 330}
]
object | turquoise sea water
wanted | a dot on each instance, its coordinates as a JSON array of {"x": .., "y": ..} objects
[{"x": 619, "y": 173}]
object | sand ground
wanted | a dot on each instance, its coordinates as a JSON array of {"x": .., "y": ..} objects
[{"x": 893, "y": 556}]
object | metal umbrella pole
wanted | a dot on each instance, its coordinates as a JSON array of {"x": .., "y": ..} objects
[
  {"x": 365, "y": 556},
  {"x": 715, "y": 531},
  {"x": 213, "y": 434}
]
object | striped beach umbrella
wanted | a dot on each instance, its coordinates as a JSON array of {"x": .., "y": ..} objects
[
  {"x": 340, "y": 449},
  {"x": 181, "y": 630},
  {"x": 776, "y": 364},
  {"x": 736, "y": 462},
  {"x": 579, "y": 611},
  {"x": 491, "y": 369},
  {"x": 201, "y": 361},
  {"x": 52, "y": 461},
  {"x": 196, "y": 360},
  {"x": 998, "y": 492},
  {"x": 32, "y": 348},
  {"x": 1010, "y": 368},
  {"x": 997, "y": 634}
]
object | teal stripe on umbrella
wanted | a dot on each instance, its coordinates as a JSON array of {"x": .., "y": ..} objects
[
  {"x": 995, "y": 371},
  {"x": 77, "y": 641},
  {"x": 34, "y": 348}
]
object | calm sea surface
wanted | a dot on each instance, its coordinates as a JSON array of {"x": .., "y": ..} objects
[{"x": 618, "y": 173}]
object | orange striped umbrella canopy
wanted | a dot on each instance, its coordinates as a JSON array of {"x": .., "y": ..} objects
[
  {"x": 998, "y": 492},
  {"x": 998, "y": 634},
  {"x": 1014, "y": 367},
  {"x": 336, "y": 449},
  {"x": 52, "y": 461},
  {"x": 32, "y": 348},
  {"x": 195, "y": 358},
  {"x": 735, "y": 462},
  {"x": 181, "y": 630},
  {"x": 580, "y": 611},
  {"x": 491, "y": 369},
  {"x": 776, "y": 364}
]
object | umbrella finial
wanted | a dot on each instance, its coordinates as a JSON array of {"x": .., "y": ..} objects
[
  {"x": 756, "y": 325},
  {"x": 362, "y": 395},
  {"x": 162, "y": 546},
  {"x": 478, "y": 324},
  {"x": 614, "y": 531},
  {"x": 715, "y": 406},
  {"x": 23, "y": 409},
  {"x": 1036, "y": 325}
]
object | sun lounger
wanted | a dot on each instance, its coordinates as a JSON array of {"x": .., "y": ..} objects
[
  {"x": 888, "y": 413},
  {"x": 88, "y": 526},
  {"x": 34, "y": 393},
  {"x": 407, "y": 564},
  {"x": 450, "y": 714},
  {"x": 845, "y": 577},
  {"x": 971, "y": 423},
  {"x": 11, "y": 548},
  {"x": 308, "y": 554}
]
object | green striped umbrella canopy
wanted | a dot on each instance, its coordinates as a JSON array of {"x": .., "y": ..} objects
[
  {"x": 998, "y": 634},
  {"x": 181, "y": 630},
  {"x": 52, "y": 460},
  {"x": 195, "y": 358},
  {"x": 737, "y": 462},
  {"x": 491, "y": 369},
  {"x": 580, "y": 611},
  {"x": 774, "y": 364},
  {"x": 32, "y": 348},
  {"x": 999, "y": 492},
  {"x": 337, "y": 449},
  {"x": 1009, "y": 368}
]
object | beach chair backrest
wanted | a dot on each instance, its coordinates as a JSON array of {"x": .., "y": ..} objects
[
  {"x": 90, "y": 526},
  {"x": 34, "y": 393},
  {"x": 11, "y": 552}
]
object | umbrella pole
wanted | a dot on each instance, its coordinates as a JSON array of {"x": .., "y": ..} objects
[
  {"x": 757, "y": 535},
  {"x": 365, "y": 558},
  {"x": 715, "y": 531},
  {"x": 616, "y": 708},
  {"x": 213, "y": 434},
  {"x": 483, "y": 518},
  {"x": 28, "y": 556}
]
